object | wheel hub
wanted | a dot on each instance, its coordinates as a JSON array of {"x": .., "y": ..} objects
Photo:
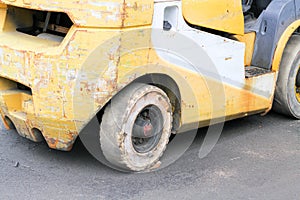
[
  {"x": 143, "y": 128},
  {"x": 147, "y": 129}
]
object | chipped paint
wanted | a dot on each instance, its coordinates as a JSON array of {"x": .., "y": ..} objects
[
  {"x": 72, "y": 80},
  {"x": 91, "y": 13},
  {"x": 223, "y": 15}
]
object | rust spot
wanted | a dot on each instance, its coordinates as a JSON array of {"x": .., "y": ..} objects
[
  {"x": 123, "y": 14},
  {"x": 111, "y": 56},
  {"x": 135, "y": 6},
  {"x": 52, "y": 143},
  {"x": 51, "y": 140}
]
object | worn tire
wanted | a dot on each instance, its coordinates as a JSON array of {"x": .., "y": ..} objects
[
  {"x": 286, "y": 101},
  {"x": 117, "y": 142}
]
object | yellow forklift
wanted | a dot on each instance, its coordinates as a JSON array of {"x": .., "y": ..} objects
[{"x": 145, "y": 69}]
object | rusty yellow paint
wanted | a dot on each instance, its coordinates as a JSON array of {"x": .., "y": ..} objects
[
  {"x": 197, "y": 103},
  {"x": 249, "y": 40},
  {"x": 194, "y": 89},
  {"x": 15, "y": 100},
  {"x": 251, "y": 84},
  {"x": 72, "y": 80},
  {"x": 112, "y": 14},
  {"x": 3, "y": 8},
  {"x": 225, "y": 16},
  {"x": 282, "y": 43},
  {"x": 61, "y": 105}
]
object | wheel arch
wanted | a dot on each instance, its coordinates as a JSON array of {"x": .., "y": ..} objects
[
  {"x": 165, "y": 83},
  {"x": 284, "y": 39}
]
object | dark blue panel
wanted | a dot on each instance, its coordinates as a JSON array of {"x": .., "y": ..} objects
[
  {"x": 270, "y": 26},
  {"x": 297, "y": 3}
]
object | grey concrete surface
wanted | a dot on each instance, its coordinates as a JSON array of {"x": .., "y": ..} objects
[{"x": 255, "y": 158}]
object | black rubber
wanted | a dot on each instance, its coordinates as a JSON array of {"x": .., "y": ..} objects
[
  {"x": 285, "y": 101},
  {"x": 117, "y": 122}
]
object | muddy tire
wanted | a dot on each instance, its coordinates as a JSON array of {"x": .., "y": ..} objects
[
  {"x": 136, "y": 127},
  {"x": 287, "y": 93}
]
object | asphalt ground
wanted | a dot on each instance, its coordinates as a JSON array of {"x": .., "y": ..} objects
[{"x": 256, "y": 158}]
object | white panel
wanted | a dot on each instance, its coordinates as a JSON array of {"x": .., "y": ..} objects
[{"x": 193, "y": 45}]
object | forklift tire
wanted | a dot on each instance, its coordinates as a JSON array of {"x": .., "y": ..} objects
[
  {"x": 136, "y": 127},
  {"x": 287, "y": 92}
]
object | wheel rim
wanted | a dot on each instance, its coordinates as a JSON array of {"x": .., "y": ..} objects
[
  {"x": 297, "y": 86},
  {"x": 147, "y": 129}
]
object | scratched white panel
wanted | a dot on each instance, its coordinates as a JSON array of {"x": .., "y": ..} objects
[{"x": 227, "y": 55}]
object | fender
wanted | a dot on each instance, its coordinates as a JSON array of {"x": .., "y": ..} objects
[
  {"x": 282, "y": 44},
  {"x": 270, "y": 26}
]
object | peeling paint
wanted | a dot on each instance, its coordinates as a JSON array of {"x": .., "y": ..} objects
[
  {"x": 72, "y": 80},
  {"x": 97, "y": 13}
]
